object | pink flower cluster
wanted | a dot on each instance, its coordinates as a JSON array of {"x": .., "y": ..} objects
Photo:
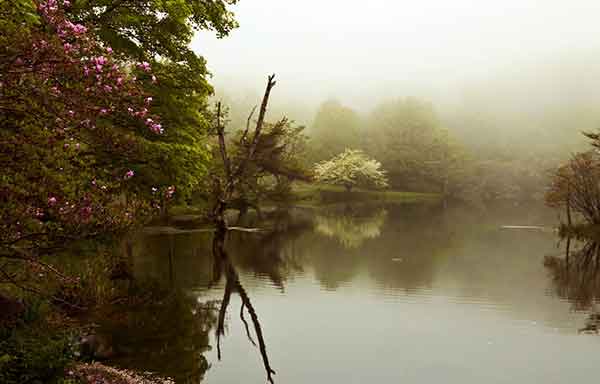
[
  {"x": 170, "y": 192},
  {"x": 108, "y": 79}
]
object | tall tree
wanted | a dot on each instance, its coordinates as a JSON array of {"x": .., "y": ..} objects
[
  {"x": 73, "y": 119},
  {"x": 160, "y": 32},
  {"x": 334, "y": 129},
  {"x": 405, "y": 134}
]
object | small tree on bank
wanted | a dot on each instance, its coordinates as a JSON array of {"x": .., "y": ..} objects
[
  {"x": 575, "y": 186},
  {"x": 351, "y": 168}
]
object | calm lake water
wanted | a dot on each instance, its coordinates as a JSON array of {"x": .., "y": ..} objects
[{"x": 411, "y": 293}]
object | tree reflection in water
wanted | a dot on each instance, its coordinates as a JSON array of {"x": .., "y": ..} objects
[
  {"x": 224, "y": 266},
  {"x": 352, "y": 228},
  {"x": 576, "y": 278},
  {"x": 162, "y": 331}
]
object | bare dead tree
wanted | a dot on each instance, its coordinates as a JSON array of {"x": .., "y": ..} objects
[{"x": 233, "y": 174}]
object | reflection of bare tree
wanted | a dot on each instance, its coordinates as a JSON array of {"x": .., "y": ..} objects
[
  {"x": 223, "y": 266},
  {"x": 351, "y": 229},
  {"x": 577, "y": 279},
  {"x": 274, "y": 253}
]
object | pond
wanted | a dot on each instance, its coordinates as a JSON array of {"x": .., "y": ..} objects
[{"x": 415, "y": 293}]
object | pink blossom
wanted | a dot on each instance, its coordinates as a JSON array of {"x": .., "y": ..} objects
[
  {"x": 52, "y": 201},
  {"x": 85, "y": 212},
  {"x": 78, "y": 29},
  {"x": 170, "y": 192},
  {"x": 156, "y": 128},
  {"x": 103, "y": 111},
  {"x": 119, "y": 80},
  {"x": 149, "y": 121},
  {"x": 109, "y": 50},
  {"x": 128, "y": 175},
  {"x": 71, "y": 113},
  {"x": 145, "y": 66},
  {"x": 107, "y": 88}
]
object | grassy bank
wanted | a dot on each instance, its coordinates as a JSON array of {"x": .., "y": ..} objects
[{"x": 314, "y": 194}]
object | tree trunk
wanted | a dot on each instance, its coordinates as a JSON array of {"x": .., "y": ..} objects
[{"x": 219, "y": 217}]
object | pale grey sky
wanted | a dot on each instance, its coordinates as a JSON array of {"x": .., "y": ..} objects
[{"x": 349, "y": 49}]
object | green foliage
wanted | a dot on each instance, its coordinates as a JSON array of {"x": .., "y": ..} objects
[
  {"x": 34, "y": 353},
  {"x": 160, "y": 32},
  {"x": 334, "y": 129},
  {"x": 16, "y": 15},
  {"x": 351, "y": 168},
  {"x": 279, "y": 160},
  {"x": 406, "y": 135}
]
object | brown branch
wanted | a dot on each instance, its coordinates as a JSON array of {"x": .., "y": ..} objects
[
  {"x": 251, "y": 149},
  {"x": 222, "y": 144},
  {"x": 245, "y": 135}
]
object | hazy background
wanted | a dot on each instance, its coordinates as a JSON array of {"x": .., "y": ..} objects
[{"x": 524, "y": 69}]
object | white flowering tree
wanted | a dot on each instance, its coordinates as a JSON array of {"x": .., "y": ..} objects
[{"x": 351, "y": 168}]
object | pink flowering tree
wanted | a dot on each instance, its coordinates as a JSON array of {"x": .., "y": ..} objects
[{"x": 73, "y": 118}]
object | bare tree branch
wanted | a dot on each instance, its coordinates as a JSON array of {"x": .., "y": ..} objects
[
  {"x": 222, "y": 144},
  {"x": 245, "y": 135}
]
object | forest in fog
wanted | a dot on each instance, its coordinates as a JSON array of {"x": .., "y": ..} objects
[{"x": 165, "y": 160}]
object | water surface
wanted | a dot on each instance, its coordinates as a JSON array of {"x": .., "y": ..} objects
[{"x": 354, "y": 294}]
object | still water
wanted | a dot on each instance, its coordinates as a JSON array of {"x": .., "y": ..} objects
[{"x": 412, "y": 293}]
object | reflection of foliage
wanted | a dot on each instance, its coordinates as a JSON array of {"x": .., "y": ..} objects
[
  {"x": 576, "y": 277},
  {"x": 272, "y": 254},
  {"x": 351, "y": 230},
  {"x": 162, "y": 333}
]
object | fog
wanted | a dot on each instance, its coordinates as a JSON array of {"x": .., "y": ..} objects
[{"x": 517, "y": 62}]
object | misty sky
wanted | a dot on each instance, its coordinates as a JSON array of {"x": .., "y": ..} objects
[{"x": 348, "y": 48}]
